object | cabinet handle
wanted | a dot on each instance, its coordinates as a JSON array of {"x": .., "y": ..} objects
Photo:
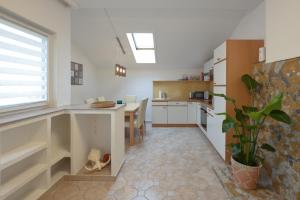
[{"x": 210, "y": 115}]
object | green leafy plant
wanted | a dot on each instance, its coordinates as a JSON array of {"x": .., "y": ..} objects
[{"x": 248, "y": 122}]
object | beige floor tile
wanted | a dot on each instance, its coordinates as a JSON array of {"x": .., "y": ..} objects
[{"x": 170, "y": 164}]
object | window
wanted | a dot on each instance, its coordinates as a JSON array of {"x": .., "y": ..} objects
[
  {"x": 142, "y": 45},
  {"x": 23, "y": 66}
]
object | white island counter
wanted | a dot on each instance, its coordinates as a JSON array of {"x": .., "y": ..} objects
[{"x": 41, "y": 146}]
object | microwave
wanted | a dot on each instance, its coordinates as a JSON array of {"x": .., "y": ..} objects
[{"x": 203, "y": 95}]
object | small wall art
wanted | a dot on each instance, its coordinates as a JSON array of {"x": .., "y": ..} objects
[{"x": 76, "y": 73}]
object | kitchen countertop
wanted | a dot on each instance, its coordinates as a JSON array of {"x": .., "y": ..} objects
[
  {"x": 51, "y": 110},
  {"x": 206, "y": 102}
]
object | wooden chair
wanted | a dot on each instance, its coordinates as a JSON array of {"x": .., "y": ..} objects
[
  {"x": 130, "y": 99},
  {"x": 139, "y": 121}
]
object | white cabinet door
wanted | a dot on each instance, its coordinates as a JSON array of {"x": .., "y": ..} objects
[
  {"x": 219, "y": 102},
  {"x": 199, "y": 114},
  {"x": 220, "y": 73},
  {"x": 215, "y": 134},
  {"x": 206, "y": 67},
  {"x": 220, "y": 137},
  {"x": 177, "y": 114},
  {"x": 192, "y": 113},
  {"x": 210, "y": 127},
  {"x": 159, "y": 114},
  {"x": 220, "y": 53}
]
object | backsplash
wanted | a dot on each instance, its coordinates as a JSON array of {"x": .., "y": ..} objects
[
  {"x": 283, "y": 166},
  {"x": 180, "y": 89}
]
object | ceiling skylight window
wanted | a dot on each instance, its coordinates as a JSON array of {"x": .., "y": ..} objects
[
  {"x": 143, "y": 41},
  {"x": 142, "y": 45}
]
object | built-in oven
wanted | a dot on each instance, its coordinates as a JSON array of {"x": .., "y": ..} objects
[{"x": 204, "y": 117}]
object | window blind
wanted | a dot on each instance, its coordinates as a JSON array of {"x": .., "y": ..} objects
[{"x": 23, "y": 65}]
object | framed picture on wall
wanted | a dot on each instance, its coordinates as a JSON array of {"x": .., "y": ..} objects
[{"x": 76, "y": 73}]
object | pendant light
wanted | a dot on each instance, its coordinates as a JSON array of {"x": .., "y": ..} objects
[{"x": 119, "y": 70}]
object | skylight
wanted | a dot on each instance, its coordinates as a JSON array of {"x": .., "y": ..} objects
[
  {"x": 143, "y": 40},
  {"x": 142, "y": 45}
]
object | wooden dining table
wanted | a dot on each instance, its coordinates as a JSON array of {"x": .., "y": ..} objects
[{"x": 130, "y": 110}]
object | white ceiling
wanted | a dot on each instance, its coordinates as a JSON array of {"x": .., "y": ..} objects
[{"x": 185, "y": 31}]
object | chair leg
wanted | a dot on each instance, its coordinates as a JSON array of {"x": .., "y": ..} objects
[
  {"x": 145, "y": 128},
  {"x": 141, "y": 133}
]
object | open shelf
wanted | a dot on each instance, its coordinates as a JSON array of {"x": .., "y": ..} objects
[
  {"x": 15, "y": 140},
  {"x": 58, "y": 155},
  {"x": 20, "y": 153},
  {"x": 60, "y": 169},
  {"x": 20, "y": 180},
  {"x": 60, "y": 138}
]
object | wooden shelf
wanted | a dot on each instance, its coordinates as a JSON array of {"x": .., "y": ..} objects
[
  {"x": 59, "y": 154},
  {"x": 20, "y": 153},
  {"x": 19, "y": 181}
]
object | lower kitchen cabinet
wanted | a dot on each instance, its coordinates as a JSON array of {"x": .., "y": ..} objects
[
  {"x": 177, "y": 114},
  {"x": 192, "y": 113},
  {"x": 198, "y": 112},
  {"x": 214, "y": 132},
  {"x": 159, "y": 114}
]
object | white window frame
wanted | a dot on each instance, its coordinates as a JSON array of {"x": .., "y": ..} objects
[{"x": 36, "y": 105}]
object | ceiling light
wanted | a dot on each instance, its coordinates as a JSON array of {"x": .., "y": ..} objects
[{"x": 142, "y": 45}]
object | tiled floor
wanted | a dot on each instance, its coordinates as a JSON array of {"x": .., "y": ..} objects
[{"x": 171, "y": 164}]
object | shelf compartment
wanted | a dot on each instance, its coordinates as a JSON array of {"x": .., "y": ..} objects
[
  {"x": 21, "y": 153},
  {"x": 32, "y": 190},
  {"x": 58, "y": 155},
  {"x": 60, "y": 169},
  {"x": 16, "y": 138},
  {"x": 20, "y": 180},
  {"x": 19, "y": 174},
  {"x": 60, "y": 137}
]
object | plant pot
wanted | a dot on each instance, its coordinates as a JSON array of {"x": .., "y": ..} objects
[{"x": 245, "y": 176}]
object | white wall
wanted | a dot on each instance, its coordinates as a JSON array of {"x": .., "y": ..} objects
[
  {"x": 137, "y": 82},
  {"x": 252, "y": 26},
  {"x": 90, "y": 83},
  {"x": 282, "y": 29},
  {"x": 52, "y": 16}
]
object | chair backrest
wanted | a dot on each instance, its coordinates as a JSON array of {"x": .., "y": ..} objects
[
  {"x": 90, "y": 100},
  {"x": 130, "y": 99},
  {"x": 142, "y": 112},
  {"x": 100, "y": 98}
]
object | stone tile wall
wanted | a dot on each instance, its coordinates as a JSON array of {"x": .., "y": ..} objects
[{"x": 283, "y": 166}]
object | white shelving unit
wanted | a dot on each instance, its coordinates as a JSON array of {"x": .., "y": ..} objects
[
  {"x": 36, "y": 150},
  {"x": 34, "y": 154}
]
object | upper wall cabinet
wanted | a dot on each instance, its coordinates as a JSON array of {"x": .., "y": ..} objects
[
  {"x": 208, "y": 66},
  {"x": 220, "y": 53}
]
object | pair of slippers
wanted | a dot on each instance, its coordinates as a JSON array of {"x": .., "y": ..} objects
[{"x": 95, "y": 163}]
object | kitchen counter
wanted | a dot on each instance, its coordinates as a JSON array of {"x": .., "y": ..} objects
[
  {"x": 206, "y": 102},
  {"x": 52, "y": 110}
]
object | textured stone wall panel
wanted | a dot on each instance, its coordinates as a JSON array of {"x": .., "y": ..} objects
[{"x": 283, "y": 166}]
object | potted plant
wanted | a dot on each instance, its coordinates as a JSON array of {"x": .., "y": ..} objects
[{"x": 247, "y": 155}]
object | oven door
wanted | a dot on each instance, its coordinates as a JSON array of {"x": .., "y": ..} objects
[{"x": 203, "y": 118}]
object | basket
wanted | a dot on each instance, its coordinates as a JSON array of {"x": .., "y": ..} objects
[{"x": 103, "y": 104}]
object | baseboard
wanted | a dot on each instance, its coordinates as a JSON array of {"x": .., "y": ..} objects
[{"x": 174, "y": 125}]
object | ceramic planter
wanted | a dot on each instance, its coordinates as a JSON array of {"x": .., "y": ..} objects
[{"x": 245, "y": 176}]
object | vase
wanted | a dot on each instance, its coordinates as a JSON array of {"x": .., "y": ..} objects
[{"x": 245, "y": 177}]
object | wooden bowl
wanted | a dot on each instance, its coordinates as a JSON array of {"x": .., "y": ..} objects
[{"x": 103, "y": 104}]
